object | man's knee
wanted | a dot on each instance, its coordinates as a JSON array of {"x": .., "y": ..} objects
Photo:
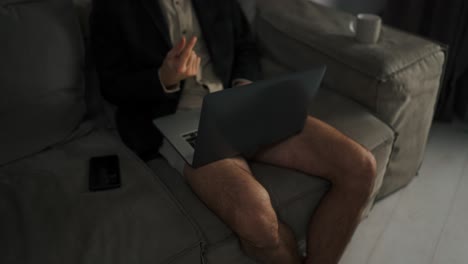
[
  {"x": 263, "y": 232},
  {"x": 368, "y": 171},
  {"x": 247, "y": 210},
  {"x": 360, "y": 177}
]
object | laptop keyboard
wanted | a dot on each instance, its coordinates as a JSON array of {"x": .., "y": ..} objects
[{"x": 191, "y": 138}]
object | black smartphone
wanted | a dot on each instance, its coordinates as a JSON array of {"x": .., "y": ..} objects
[{"x": 104, "y": 173}]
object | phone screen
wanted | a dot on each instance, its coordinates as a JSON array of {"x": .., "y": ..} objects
[{"x": 104, "y": 173}]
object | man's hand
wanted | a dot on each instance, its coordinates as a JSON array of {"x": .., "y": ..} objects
[{"x": 181, "y": 62}]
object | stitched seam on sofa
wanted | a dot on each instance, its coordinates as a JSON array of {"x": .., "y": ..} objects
[
  {"x": 381, "y": 144},
  {"x": 330, "y": 54},
  {"x": 407, "y": 91},
  {"x": 425, "y": 58},
  {"x": 197, "y": 227},
  {"x": 395, "y": 115},
  {"x": 183, "y": 252},
  {"x": 88, "y": 126},
  {"x": 377, "y": 84},
  {"x": 221, "y": 242},
  {"x": 61, "y": 142},
  {"x": 25, "y": 157},
  {"x": 407, "y": 94},
  {"x": 390, "y": 158},
  {"x": 378, "y": 87},
  {"x": 221, "y": 239}
]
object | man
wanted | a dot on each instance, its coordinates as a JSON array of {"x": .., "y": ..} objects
[{"x": 156, "y": 57}]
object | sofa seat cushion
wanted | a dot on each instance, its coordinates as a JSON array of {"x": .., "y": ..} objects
[
  {"x": 48, "y": 215},
  {"x": 294, "y": 195}
]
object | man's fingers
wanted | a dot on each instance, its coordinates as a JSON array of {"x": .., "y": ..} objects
[
  {"x": 181, "y": 46},
  {"x": 194, "y": 65},
  {"x": 188, "y": 66},
  {"x": 175, "y": 51},
  {"x": 186, "y": 53}
]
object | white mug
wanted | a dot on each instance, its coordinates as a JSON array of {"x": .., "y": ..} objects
[{"x": 367, "y": 28}]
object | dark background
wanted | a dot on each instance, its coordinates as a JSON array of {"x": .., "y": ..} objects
[{"x": 445, "y": 22}]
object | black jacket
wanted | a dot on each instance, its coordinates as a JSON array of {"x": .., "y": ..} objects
[{"x": 130, "y": 40}]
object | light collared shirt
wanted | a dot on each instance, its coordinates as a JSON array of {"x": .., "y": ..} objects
[{"x": 182, "y": 21}]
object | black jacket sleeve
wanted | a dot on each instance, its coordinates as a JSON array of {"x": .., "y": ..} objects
[
  {"x": 121, "y": 83},
  {"x": 246, "y": 61}
]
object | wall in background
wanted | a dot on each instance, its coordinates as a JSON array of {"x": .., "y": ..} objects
[{"x": 356, "y": 6}]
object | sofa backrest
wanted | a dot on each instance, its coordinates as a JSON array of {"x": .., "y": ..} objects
[
  {"x": 249, "y": 8},
  {"x": 41, "y": 78}
]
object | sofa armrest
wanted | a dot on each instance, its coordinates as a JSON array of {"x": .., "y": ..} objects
[
  {"x": 397, "y": 79},
  {"x": 298, "y": 34}
]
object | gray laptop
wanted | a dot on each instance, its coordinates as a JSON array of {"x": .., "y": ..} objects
[{"x": 241, "y": 120}]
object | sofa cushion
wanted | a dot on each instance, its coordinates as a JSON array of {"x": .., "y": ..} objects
[
  {"x": 294, "y": 195},
  {"x": 48, "y": 215},
  {"x": 41, "y": 82}
]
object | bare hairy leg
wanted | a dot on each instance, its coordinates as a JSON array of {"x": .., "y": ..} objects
[
  {"x": 229, "y": 189},
  {"x": 323, "y": 151}
]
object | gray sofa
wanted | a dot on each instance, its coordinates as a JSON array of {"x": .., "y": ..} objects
[{"x": 53, "y": 121}]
